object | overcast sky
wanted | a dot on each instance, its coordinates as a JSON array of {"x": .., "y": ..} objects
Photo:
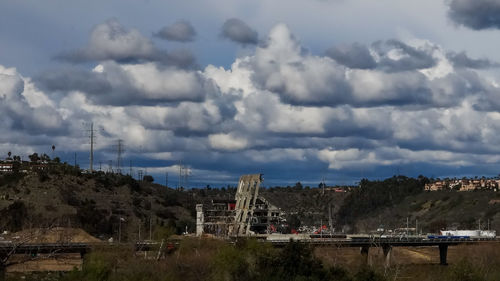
[{"x": 298, "y": 90}]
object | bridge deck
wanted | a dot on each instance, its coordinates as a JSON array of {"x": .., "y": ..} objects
[{"x": 378, "y": 242}]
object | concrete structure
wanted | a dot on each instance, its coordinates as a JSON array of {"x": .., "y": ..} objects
[
  {"x": 247, "y": 214},
  {"x": 246, "y": 197},
  {"x": 200, "y": 219}
]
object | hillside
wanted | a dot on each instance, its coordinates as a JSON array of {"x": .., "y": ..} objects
[
  {"x": 433, "y": 211},
  {"x": 103, "y": 204}
]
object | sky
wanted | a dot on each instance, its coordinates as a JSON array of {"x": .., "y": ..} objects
[{"x": 298, "y": 90}]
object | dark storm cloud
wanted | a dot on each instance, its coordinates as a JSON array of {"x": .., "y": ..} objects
[
  {"x": 181, "y": 31},
  {"x": 410, "y": 58},
  {"x": 353, "y": 56},
  {"x": 475, "y": 14},
  {"x": 462, "y": 60},
  {"x": 238, "y": 31}
]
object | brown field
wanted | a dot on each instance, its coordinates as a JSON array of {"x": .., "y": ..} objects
[
  {"x": 351, "y": 257},
  {"x": 64, "y": 262}
]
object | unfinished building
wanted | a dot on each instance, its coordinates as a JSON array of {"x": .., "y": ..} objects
[{"x": 246, "y": 214}]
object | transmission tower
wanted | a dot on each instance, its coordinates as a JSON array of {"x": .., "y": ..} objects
[
  {"x": 110, "y": 166},
  {"x": 120, "y": 148},
  {"x": 184, "y": 174},
  {"x": 91, "y": 133}
]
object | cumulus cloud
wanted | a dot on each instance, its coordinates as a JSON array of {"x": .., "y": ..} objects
[
  {"x": 353, "y": 56},
  {"x": 21, "y": 109},
  {"x": 181, "y": 31},
  {"x": 227, "y": 142},
  {"x": 462, "y": 60},
  {"x": 389, "y": 55},
  {"x": 280, "y": 108},
  {"x": 475, "y": 14},
  {"x": 112, "y": 41},
  {"x": 282, "y": 66},
  {"x": 123, "y": 84},
  {"x": 238, "y": 31},
  {"x": 393, "y": 56}
]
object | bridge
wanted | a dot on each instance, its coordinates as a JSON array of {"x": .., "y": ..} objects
[
  {"x": 364, "y": 243},
  {"x": 8, "y": 248},
  {"x": 386, "y": 243}
]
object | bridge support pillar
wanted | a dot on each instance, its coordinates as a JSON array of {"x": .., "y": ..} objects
[
  {"x": 82, "y": 254},
  {"x": 387, "y": 255},
  {"x": 3, "y": 270},
  {"x": 443, "y": 253},
  {"x": 365, "y": 254}
]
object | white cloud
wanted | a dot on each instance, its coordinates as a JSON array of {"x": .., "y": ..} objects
[{"x": 227, "y": 142}]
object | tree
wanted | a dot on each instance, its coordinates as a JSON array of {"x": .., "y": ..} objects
[
  {"x": 34, "y": 157},
  {"x": 148, "y": 178},
  {"x": 45, "y": 158}
]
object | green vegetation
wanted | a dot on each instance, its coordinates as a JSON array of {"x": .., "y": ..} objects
[
  {"x": 213, "y": 260},
  {"x": 372, "y": 196}
]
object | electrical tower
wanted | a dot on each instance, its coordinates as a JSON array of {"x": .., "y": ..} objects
[
  {"x": 110, "y": 166},
  {"x": 91, "y": 133},
  {"x": 184, "y": 174},
  {"x": 120, "y": 148}
]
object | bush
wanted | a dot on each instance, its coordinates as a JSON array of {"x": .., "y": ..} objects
[{"x": 464, "y": 271}]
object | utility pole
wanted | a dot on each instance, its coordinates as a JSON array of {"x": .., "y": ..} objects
[
  {"x": 120, "y": 230},
  {"x": 131, "y": 168},
  {"x": 150, "y": 217},
  {"x": 323, "y": 185},
  {"x": 75, "y": 159},
  {"x": 407, "y": 226},
  {"x": 166, "y": 179},
  {"x": 180, "y": 174},
  {"x": 330, "y": 220}
]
